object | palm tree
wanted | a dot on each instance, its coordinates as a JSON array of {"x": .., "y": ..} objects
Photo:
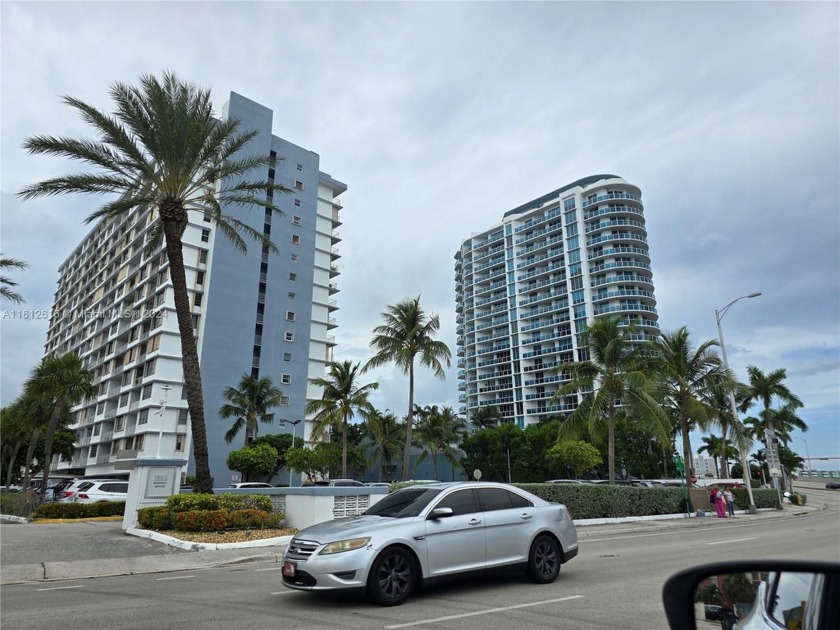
[
  {"x": 388, "y": 437},
  {"x": 164, "y": 150},
  {"x": 15, "y": 430},
  {"x": 408, "y": 332},
  {"x": 7, "y": 283},
  {"x": 687, "y": 378},
  {"x": 717, "y": 447},
  {"x": 342, "y": 397},
  {"x": 485, "y": 417},
  {"x": 437, "y": 432},
  {"x": 615, "y": 374},
  {"x": 58, "y": 383},
  {"x": 249, "y": 405}
]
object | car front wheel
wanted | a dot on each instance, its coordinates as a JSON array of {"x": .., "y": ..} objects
[
  {"x": 544, "y": 560},
  {"x": 392, "y": 578}
]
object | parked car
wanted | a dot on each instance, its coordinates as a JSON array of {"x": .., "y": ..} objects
[
  {"x": 251, "y": 484},
  {"x": 337, "y": 482},
  {"x": 833, "y": 485},
  {"x": 68, "y": 494},
  {"x": 99, "y": 491},
  {"x": 427, "y": 532},
  {"x": 379, "y": 484}
]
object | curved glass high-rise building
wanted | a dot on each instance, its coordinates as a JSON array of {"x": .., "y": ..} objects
[{"x": 526, "y": 287}]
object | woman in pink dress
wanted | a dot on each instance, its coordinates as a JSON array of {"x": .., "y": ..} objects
[{"x": 720, "y": 503}]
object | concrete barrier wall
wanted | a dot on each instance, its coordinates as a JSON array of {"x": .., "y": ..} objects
[{"x": 308, "y": 506}]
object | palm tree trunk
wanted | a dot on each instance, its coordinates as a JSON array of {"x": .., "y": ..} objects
[
  {"x": 664, "y": 461},
  {"x": 611, "y": 445},
  {"x": 171, "y": 218},
  {"x": 408, "y": 423},
  {"x": 434, "y": 464},
  {"x": 686, "y": 445},
  {"x": 723, "y": 430},
  {"x": 344, "y": 447},
  {"x": 48, "y": 442},
  {"x": 30, "y": 454},
  {"x": 11, "y": 466}
]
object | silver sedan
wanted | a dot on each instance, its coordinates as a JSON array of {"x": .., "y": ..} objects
[{"x": 424, "y": 533}]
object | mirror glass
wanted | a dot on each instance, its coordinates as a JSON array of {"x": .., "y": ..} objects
[{"x": 748, "y": 601}]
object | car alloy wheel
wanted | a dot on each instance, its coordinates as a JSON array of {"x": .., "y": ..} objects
[
  {"x": 392, "y": 577},
  {"x": 544, "y": 560}
]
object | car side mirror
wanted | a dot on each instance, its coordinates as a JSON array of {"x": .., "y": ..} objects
[
  {"x": 755, "y": 594},
  {"x": 442, "y": 512}
]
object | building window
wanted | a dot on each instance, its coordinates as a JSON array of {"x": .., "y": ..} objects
[
  {"x": 294, "y": 257},
  {"x": 297, "y": 203},
  {"x": 292, "y": 277},
  {"x": 298, "y": 184},
  {"x": 205, "y": 236},
  {"x": 288, "y": 336},
  {"x": 296, "y": 220},
  {"x": 299, "y": 167},
  {"x": 295, "y": 239},
  {"x": 290, "y": 316},
  {"x": 149, "y": 368},
  {"x": 139, "y": 442},
  {"x": 119, "y": 423},
  {"x": 94, "y": 449},
  {"x": 179, "y": 441},
  {"x": 123, "y": 400},
  {"x": 199, "y": 297},
  {"x": 182, "y": 416},
  {"x": 199, "y": 277},
  {"x": 287, "y": 356},
  {"x": 291, "y": 296},
  {"x": 286, "y": 379},
  {"x": 284, "y": 401},
  {"x": 202, "y": 256},
  {"x": 143, "y": 416}
]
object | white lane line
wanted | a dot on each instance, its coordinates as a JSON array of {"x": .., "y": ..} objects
[
  {"x": 483, "y": 612},
  {"x": 176, "y": 577},
  {"x": 272, "y": 569},
  {"x": 726, "y": 542},
  {"x": 58, "y": 588}
]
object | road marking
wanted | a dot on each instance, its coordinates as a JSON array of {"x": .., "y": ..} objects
[
  {"x": 726, "y": 542},
  {"x": 59, "y": 588},
  {"x": 482, "y": 612},
  {"x": 272, "y": 569},
  {"x": 176, "y": 577},
  {"x": 282, "y": 593}
]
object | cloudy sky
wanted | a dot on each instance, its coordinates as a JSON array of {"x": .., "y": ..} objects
[{"x": 441, "y": 117}]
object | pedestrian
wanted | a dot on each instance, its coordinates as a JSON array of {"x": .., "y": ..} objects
[
  {"x": 730, "y": 501},
  {"x": 712, "y": 496},
  {"x": 720, "y": 504}
]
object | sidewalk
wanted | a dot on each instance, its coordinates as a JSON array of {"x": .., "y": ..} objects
[{"x": 87, "y": 549}]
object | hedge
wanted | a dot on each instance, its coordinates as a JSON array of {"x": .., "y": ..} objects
[
  {"x": 80, "y": 510},
  {"x": 229, "y": 502},
  {"x": 211, "y": 513},
  {"x": 605, "y": 501}
]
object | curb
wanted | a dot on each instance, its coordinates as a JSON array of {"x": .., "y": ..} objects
[{"x": 280, "y": 541}]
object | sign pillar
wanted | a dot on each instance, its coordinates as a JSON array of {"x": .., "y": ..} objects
[{"x": 150, "y": 482}]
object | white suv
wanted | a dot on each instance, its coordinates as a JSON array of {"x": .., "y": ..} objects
[{"x": 99, "y": 491}]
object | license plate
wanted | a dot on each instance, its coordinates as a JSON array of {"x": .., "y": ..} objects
[{"x": 289, "y": 569}]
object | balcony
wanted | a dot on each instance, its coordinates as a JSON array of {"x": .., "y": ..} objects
[
  {"x": 608, "y": 196},
  {"x": 611, "y": 210}
]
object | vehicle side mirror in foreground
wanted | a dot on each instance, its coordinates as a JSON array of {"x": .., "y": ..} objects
[
  {"x": 748, "y": 595},
  {"x": 442, "y": 512}
]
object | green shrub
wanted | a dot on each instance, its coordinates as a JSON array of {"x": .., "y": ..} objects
[
  {"x": 604, "y": 501},
  {"x": 157, "y": 518},
  {"x": 192, "y": 502},
  {"x": 274, "y": 520},
  {"x": 246, "y": 519},
  {"x": 200, "y": 520},
  {"x": 81, "y": 510},
  {"x": 233, "y": 502},
  {"x": 19, "y": 503}
]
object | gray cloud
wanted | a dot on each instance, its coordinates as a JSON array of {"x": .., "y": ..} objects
[{"x": 441, "y": 117}]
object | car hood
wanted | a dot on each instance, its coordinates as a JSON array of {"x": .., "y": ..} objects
[{"x": 350, "y": 527}]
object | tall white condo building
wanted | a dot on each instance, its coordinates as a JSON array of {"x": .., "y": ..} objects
[{"x": 527, "y": 286}]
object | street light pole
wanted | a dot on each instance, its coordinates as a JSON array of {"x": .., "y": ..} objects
[
  {"x": 294, "y": 424},
  {"x": 796, "y": 437},
  {"x": 745, "y": 469}
]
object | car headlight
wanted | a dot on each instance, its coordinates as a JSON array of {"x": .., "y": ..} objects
[{"x": 344, "y": 545}]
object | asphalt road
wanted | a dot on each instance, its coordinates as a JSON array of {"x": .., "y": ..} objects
[{"x": 615, "y": 582}]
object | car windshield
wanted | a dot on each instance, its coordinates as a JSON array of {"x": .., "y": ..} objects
[{"x": 403, "y": 503}]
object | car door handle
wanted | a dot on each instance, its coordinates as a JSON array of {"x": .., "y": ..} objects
[
  {"x": 526, "y": 516},
  {"x": 475, "y": 521}
]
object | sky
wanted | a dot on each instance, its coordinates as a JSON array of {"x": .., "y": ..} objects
[{"x": 440, "y": 117}]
